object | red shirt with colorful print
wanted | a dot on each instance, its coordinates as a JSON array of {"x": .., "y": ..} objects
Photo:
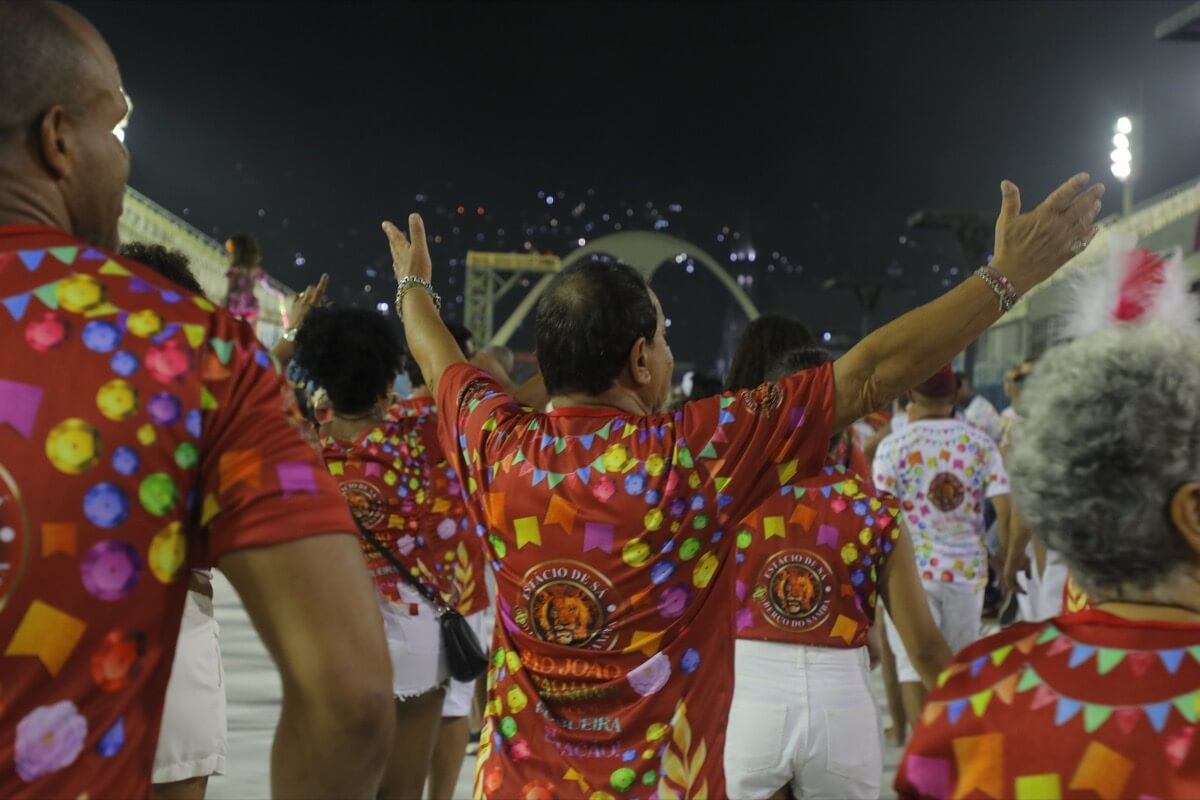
[
  {"x": 401, "y": 488},
  {"x": 809, "y": 560},
  {"x": 1087, "y": 705},
  {"x": 142, "y": 432},
  {"x": 613, "y": 534}
]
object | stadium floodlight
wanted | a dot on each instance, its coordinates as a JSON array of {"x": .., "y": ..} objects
[{"x": 1122, "y": 156}]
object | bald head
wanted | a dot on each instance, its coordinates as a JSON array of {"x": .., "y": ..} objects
[
  {"x": 43, "y": 60},
  {"x": 60, "y": 100}
]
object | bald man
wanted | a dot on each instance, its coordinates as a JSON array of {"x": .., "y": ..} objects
[{"x": 141, "y": 433}]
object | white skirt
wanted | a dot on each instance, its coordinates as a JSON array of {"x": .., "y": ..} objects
[{"x": 414, "y": 641}]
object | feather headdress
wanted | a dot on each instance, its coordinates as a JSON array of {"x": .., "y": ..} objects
[{"x": 1134, "y": 286}]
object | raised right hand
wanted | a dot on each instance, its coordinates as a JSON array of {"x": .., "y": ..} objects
[
  {"x": 1031, "y": 247},
  {"x": 410, "y": 256}
]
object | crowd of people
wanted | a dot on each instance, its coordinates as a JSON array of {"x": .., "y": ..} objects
[{"x": 641, "y": 599}]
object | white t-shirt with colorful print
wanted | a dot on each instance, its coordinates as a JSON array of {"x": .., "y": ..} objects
[{"x": 941, "y": 470}]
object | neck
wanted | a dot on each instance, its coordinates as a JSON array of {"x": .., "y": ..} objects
[
  {"x": 21, "y": 205},
  {"x": 1184, "y": 612},
  {"x": 421, "y": 392},
  {"x": 1176, "y": 601},
  {"x": 350, "y": 426},
  {"x": 618, "y": 398},
  {"x": 920, "y": 411}
]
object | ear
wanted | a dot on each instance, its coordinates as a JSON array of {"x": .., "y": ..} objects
[
  {"x": 639, "y": 363},
  {"x": 54, "y": 136},
  {"x": 1185, "y": 513}
]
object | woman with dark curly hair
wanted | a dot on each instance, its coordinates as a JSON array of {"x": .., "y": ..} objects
[{"x": 390, "y": 467}]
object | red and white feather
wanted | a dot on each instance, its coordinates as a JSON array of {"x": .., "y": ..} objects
[{"x": 1134, "y": 287}]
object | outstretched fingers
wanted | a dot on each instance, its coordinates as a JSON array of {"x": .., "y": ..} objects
[
  {"x": 416, "y": 231},
  {"x": 396, "y": 238},
  {"x": 1062, "y": 197},
  {"x": 1085, "y": 208}
]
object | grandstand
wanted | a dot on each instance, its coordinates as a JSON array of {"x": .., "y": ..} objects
[{"x": 144, "y": 220}]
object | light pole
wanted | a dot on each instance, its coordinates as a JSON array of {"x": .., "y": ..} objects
[{"x": 1125, "y": 134}]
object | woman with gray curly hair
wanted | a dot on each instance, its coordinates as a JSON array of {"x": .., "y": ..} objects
[{"x": 1105, "y": 468}]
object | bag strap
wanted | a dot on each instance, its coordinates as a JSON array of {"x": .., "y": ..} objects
[{"x": 429, "y": 594}]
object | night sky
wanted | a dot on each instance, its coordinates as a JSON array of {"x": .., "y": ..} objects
[{"x": 809, "y": 131}]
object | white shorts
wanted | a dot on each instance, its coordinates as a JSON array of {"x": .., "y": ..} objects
[
  {"x": 414, "y": 641},
  {"x": 193, "y": 737},
  {"x": 459, "y": 695},
  {"x": 805, "y": 716},
  {"x": 957, "y": 610}
]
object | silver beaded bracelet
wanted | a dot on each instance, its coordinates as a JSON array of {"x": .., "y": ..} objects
[
  {"x": 408, "y": 284},
  {"x": 1001, "y": 285}
]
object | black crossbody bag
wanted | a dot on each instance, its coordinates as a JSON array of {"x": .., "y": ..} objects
[{"x": 464, "y": 655}]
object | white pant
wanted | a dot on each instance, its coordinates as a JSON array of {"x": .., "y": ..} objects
[
  {"x": 1043, "y": 598},
  {"x": 803, "y": 715},
  {"x": 956, "y": 608},
  {"x": 193, "y": 736},
  {"x": 1052, "y": 584},
  {"x": 459, "y": 695},
  {"x": 414, "y": 641}
]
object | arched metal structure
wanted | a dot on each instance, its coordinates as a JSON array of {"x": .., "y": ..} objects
[{"x": 644, "y": 250}]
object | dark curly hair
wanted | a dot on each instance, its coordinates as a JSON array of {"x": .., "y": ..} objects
[
  {"x": 171, "y": 264},
  {"x": 354, "y": 354},
  {"x": 763, "y": 340}
]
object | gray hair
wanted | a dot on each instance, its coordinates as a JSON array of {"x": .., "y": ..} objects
[{"x": 1109, "y": 430}]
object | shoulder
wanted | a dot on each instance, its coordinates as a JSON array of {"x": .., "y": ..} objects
[
  {"x": 985, "y": 443},
  {"x": 892, "y": 443}
]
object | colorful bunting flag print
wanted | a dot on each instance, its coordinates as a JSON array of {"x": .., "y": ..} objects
[
  {"x": 16, "y": 305},
  {"x": 32, "y": 259}
]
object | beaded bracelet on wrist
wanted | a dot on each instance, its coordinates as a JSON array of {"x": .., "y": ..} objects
[
  {"x": 408, "y": 284},
  {"x": 1001, "y": 285}
]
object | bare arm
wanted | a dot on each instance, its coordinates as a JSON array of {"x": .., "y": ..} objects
[
  {"x": 1004, "y": 517},
  {"x": 1014, "y": 546},
  {"x": 312, "y": 603},
  {"x": 429, "y": 339},
  {"x": 1029, "y": 248},
  {"x": 904, "y": 597}
]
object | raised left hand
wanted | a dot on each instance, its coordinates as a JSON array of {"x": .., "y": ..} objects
[{"x": 306, "y": 301}]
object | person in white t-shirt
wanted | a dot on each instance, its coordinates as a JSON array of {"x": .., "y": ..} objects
[
  {"x": 977, "y": 409},
  {"x": 941, "y": 469}
]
